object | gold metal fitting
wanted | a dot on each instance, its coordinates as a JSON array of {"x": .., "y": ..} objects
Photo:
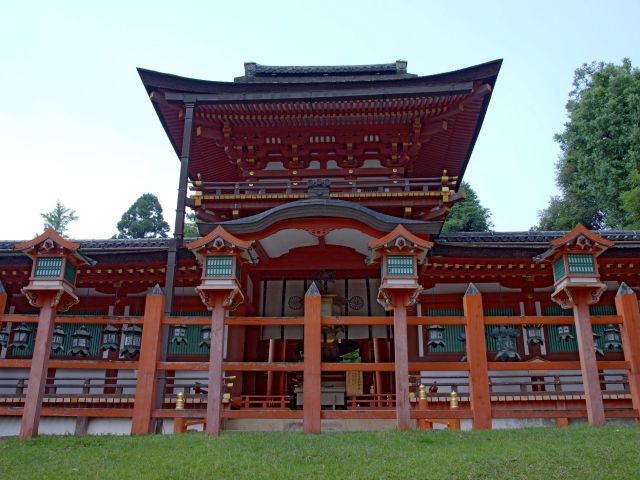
[
  {"x": 229, "y": 385},
  {"x": 422, "y": 392},
  {"x": 453, "y": 399},
  {"x": 226, "y": 398},
  {"x": 180, "y": 401},
  {"x": 230, "y": 377}
]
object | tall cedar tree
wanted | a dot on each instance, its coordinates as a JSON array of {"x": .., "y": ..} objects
[
  {"x": 143, "y": 219},
  {"x": 191, "y": 226},
  {"x": 59, "y": 218},
  {"x": 598, "y": 170},
  {"x": 468, "y": 215}
]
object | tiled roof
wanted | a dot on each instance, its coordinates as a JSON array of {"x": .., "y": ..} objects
[{"x": 533, "y": 239}]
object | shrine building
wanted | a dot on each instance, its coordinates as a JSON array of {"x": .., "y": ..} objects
[{"x": 320, "y": 294}]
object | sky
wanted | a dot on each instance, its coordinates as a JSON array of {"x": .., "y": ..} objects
[{"x": 76, "y": 124}]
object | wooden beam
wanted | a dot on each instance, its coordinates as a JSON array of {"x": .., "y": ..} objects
[
  {"x": 39, "y": 365},
  {"x": 79, "y": 364},
  {"x": 477, "y": 359},
  {"x": 627, "y": 307},
  {"x": 312, "y": 358},
  {"x": 147, "y": 377}
]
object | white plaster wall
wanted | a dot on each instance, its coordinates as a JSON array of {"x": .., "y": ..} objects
[
  {"x": 11, "y": 376},
  {"x": 75, "y": 379},
  {"x": 9, "y": 426},
  {"x": 507, "y": 423},
  {"x": 130, "y": 375},
  {"x": 109, "y": 426},
  {"x": 440, "y": 377},
  {"x": 57, "y": 426}
]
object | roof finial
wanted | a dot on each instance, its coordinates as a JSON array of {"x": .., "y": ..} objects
[
  {"x": 156, "y": 290},
  {"x": 2, "y": 290},
  {"x": 472, "y": 290},
  {"x": 624, "y": 290},
  {"x": 312, "y": 291}
]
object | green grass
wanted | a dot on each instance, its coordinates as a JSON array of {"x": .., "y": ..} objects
[{"x": 541, "y": 453}]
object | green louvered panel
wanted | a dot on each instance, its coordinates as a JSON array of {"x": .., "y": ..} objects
[
  {"x": 559, "y": 270},
  {"x": 219, "y": 267},
  {"x": 581, "y": 263},
  {"x": 94, "y": 343},
  {"x": 556, "y": 311},
  {"x": 451, "y": 332},
  {"x": 602, "y": 310},
  {"x": 400, "y": 265},
  {"x": 81, "y": 313},
  {"x": 70, "y": 272},
  {"x": 600, "y": 329},
  {"x": 192, "y": 347},
  {"x": 495, "y": 312},
  {"x": 48, "y": 267}
]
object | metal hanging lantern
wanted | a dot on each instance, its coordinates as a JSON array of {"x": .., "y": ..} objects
[
  {"x": 4, "y": 337},
  {"x": 534, "y": 334},
  {"x": 179, "y": 335},
  {"x": 612, "y": 338},
  {"x": 564, "y": 333},
  {"x": 109, "y": 339},
  {"x": 436, "y": 336},
  {"x": 506, "y": 345},
  {"x": 80, "y": 341},
  {"x": 132, "y": 335},
  {"x": 205, "y": 336},
  {"x": 57, "y": 339},
  {"x": 21, "y": 336},
  {"x": 596, "y": 347},
  {"x": 463, "y": 338}
]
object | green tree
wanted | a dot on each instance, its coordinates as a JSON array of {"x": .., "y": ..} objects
[
  {"x": 143, "y": 219},
  {"x": 598, "y": 169},
  {"x": 191, "y": 226},
  {"x": 59, "y": 218},
  {"x": 468, "y": 215}
]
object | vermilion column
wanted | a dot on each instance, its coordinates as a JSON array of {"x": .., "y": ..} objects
[
  {"x": 477, "y": 358},
  {"x": 588, "y": 364},
  {"x": 312, "y": 361},
  {"x": 39, "y": 364},
  {"x": 216, "y": 359},
  {"x": 403, "y": 417},
  {"x": 150, "y": 349},
  {"x": 3, "y": 301},
  {"x": 627, "y": 306}
]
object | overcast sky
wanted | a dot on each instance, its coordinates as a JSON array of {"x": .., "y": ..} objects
[{"x": 76, "y": 124}]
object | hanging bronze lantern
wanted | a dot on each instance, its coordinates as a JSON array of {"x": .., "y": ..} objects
[
  {"x": 436, "y": 336},
  {"x": 132, "y": 338},
  {"x": 506, "y": 345},
  {"x": 179, "y": 335},
  {"x": 463, "y": 338},
  {"x": 598, "y": 350},
  {"x": 4, "y": 337},
  {"x": 80, "y": 341},
  {"x": 205, "y": 336},
  {"x": 57, "y": 339},
  {"x": 21, "y": 336},
  {"x": 109, "y": 339},
  {"x": 534, "y": 334},
  {"x": 612, "y": 338},
  {"x": 564, "y": 333}
]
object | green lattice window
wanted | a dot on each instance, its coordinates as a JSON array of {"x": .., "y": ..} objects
[
  {"x": 559, "y": 269},
  {"x": 400, "y": 266},
  {"x": 219, "y": 267},
  {"x": 48, "y": 267},
  {"x": 496, "y": 312},
  {"x": 581, "y": 263},
  {"x": 70, "y": 272}
]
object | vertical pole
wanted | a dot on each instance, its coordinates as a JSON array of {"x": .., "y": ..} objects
[
  {"x": 216, "y": 359},
  {"x": 401, "y": 359},
  {"x": 588, "y": 364},
  {"x": 147, "y": 381},
  {"x": 627, "y": 307},
  {"x": 178, "y": 231},
  {"x": 477, "y": 358},
  {"x": 39, "y": 365},
  {"x": 3, "y": 305},
  {"x": 312, "y": 360}
]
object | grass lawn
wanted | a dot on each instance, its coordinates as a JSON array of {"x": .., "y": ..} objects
[{"x": 541, "y": 453}]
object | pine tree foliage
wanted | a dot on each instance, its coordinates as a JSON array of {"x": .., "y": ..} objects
[
  {"x": 59, "y": 218},
  {"x": 143, "y": 219},
  {"x": 468, "y": 215}
]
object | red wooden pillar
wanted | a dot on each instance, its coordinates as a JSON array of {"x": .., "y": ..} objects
[
  {"x": 3, "y": 303},
  {"x": 627, "y": 306},
  {"x": 477, "y": 358},
  {"x": 216, "y": 359},
  {"x": 403, "y": 417},
  {"x": 39, "y": 365},
  {"x": 588, "y": 364},
  {"x": 312, "y": 360},
  {"x": 150, "y": 349}
]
